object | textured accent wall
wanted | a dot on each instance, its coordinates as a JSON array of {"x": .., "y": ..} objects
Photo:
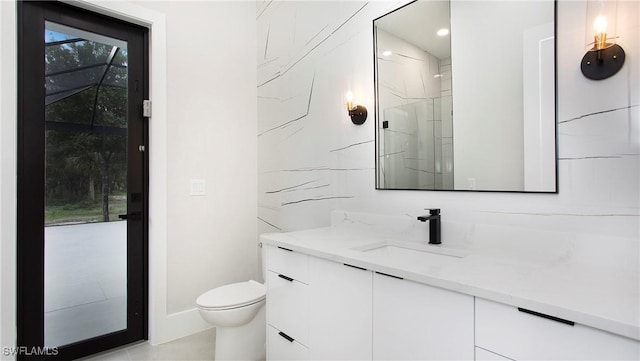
[{"x": 312, "y": 160}]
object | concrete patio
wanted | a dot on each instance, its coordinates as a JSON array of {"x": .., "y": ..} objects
[{"x": 85, "y": 281}]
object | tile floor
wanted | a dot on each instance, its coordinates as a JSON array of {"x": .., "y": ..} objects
[
  {"x": 200, "y": 346},
  {"x": 85, "y": 281}
]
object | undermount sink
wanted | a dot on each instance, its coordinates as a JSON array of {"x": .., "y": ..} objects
[{"x": 411, "y": 252}]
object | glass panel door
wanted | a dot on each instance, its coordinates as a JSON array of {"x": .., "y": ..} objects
[
  {"x": 86, "y": 109},
  {"x": 82, "y": 250}
]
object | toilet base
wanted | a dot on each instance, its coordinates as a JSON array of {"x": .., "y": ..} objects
[{"x": 245, "y": 342}]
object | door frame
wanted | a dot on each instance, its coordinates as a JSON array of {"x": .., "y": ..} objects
[
  {"x": 162, "y": 328},
  {"x": 31, "y": 175}
]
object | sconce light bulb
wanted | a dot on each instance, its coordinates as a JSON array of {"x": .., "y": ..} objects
[
  {"x": 349, "y": 97},
  {"x": 600, "y": 24},
  {"x": 443, "y": 32}
]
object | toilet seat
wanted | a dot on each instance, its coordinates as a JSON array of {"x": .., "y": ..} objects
[{"x": 231, "y": 296}]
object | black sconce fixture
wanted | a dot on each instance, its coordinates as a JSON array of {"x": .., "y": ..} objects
[
  {"x": 605, "y": 58},
  {"x": 358, "y": 113}
]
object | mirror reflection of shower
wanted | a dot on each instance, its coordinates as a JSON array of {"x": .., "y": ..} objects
[
  {"x": 418, "y": 143},
  {"x": 415, "y": 103}
]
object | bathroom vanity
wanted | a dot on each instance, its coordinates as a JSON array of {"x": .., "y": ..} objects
[{"x": 348, "y": 293}]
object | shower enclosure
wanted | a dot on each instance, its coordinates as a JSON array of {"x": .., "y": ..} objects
[{"x": 417, "y": 145}]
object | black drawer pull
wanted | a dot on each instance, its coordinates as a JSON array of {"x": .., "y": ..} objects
[
  {"x": 352, "y": 266},
  {"x": 285, "y": 249},
  {"x": 286, "y": 278},
  {"x": 285, "y": 336},
  {"x": 552, "y": 318},
  {"x": 388, "y": 275}
]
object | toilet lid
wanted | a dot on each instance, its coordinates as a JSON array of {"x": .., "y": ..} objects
[{"x": 232, "y": 295}]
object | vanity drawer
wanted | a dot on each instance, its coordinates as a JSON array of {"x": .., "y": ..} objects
[
  {"x": 289, "y": 263},
  {"x": 520, "y": 335},
  {"x": 288, "y": 306},
  {"x": 281, "y": 348}
]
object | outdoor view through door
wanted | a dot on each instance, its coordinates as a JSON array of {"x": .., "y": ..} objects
[
  {"x": 82, "y": 188},
  {"x": 86, "y": 185}
]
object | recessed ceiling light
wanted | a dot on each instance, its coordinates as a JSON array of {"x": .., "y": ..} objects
[
  {"x": 387, "y": 52},
  {"x": 443, "y": 32}
]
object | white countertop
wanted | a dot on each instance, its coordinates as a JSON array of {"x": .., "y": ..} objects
[{"x": 602, "y": 298}]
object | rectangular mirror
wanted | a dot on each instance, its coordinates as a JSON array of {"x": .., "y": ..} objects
[{"x": 465, "y": 96}]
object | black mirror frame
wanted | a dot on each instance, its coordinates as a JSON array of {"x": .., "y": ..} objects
[{"x": 378, "y": 125}]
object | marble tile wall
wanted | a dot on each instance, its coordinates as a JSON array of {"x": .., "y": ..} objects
[
  {"x": 411, "y": 86},
  {"x": 312, "y": 160}
]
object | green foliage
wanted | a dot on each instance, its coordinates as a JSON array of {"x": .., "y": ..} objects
[
  {"x": 85, "y": 166},
  {"x": 84, "y": 212}
]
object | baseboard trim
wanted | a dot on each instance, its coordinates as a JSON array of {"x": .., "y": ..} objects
[{"x": 180, "y": 324}]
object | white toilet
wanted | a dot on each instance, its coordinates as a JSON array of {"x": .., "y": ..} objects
[{"x": 237, "y": 310}]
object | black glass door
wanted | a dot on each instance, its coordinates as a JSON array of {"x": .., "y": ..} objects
[{"x": 82, "y": 187}]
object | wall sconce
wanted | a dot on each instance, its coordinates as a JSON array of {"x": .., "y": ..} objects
[
  {"x": 605, "y": 58},
  {"x": 358, "y": 113}
]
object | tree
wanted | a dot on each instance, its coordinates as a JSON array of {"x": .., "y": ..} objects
[{"x": 87, "y": 100}]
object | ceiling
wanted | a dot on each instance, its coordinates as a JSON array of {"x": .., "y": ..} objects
[{"x": 418, "y": 23}]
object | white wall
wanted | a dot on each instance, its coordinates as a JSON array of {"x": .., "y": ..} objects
[
  {"x": 211, "y": 111},
  {"x": 202, "y": 130},
  {"x": 313, "y": 160},
  {"x": 488, "y": 126}
]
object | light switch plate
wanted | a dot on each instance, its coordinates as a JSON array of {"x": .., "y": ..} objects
[{"x": 198, "y": 187}]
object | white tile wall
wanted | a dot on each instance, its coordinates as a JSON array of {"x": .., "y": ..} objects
[
  {"x": 312, "y": 160},
  {"x": 412, "y": 148}
]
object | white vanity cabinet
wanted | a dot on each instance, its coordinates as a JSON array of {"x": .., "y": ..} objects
[
  {"x": 318, "y": 309},
  {"x": 413, "y": 321},
  {"x": 288, "y": 298},
  {"x": 520, "y": 334},
  {"x": 340, "y": 320},
  {"x": 324, "y": 310}
]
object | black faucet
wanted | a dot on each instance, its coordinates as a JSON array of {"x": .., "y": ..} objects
[{"x": 434, "y": 225}]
